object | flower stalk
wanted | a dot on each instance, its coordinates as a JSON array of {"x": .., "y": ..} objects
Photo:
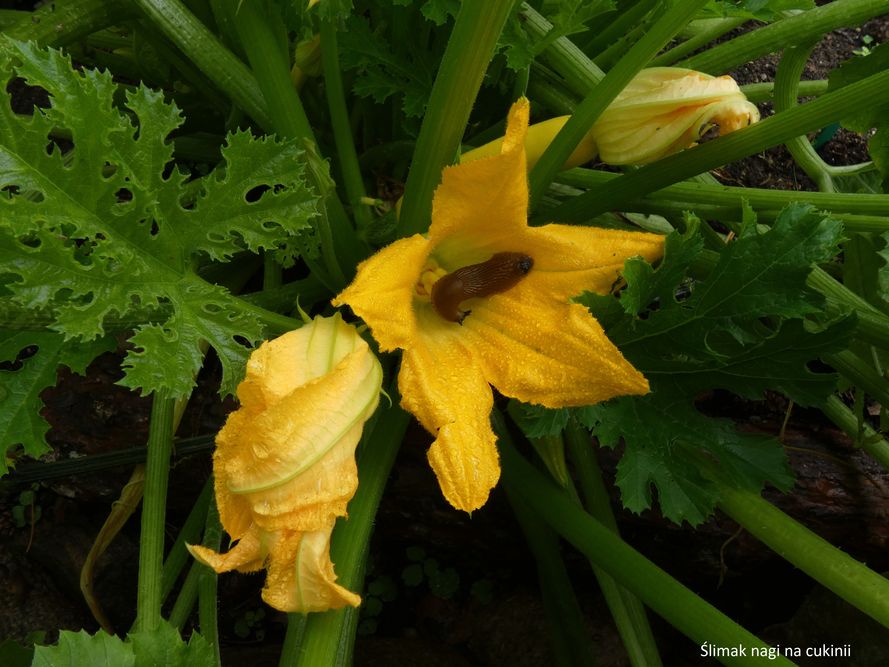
[
  {"x": 463, "y": 65},
  {"x": 329, "y": 637},
  {"x": 603, "y": 94},
  {"x": 154, "y": 504},
  {"x": 836, "y": 570},
  {"x": 791, "y": 30},
  {"x": 626, "y": 609},
  {"x": 690, "y": 614},
  {"x": 769, "y": 132},
  {"x": 205, "y": 50}
]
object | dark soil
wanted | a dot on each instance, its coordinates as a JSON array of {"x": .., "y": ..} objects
[
  {"x": 775, "y": 168},
  {"x": 474, "y": 600}
]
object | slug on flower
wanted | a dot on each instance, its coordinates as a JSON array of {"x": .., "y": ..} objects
[{"x": 502, "y": 271}]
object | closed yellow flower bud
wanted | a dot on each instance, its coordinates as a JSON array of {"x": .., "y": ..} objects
[
  {"x": 284, "y": 464},
  {"x": 663, "y": 110},
  {"x": 666, "y": 109}
]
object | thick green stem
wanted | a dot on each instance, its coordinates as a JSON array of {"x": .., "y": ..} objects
[
  {"x": 845, "y": 576},
  {"x": 569, "y": 639},
  {"x": 865, "y": 437},
  {"x": 691, "y": 615},
  {"x": 602, "y": 95},
  {"x": 188, "y": 595},
  {"x": 628, "y": 613},
  {"x": 463, "y": 65},
  {"x": 792, "y": 30},
  {"x": 267, "y": 49},
  {"x": 551, "y": 96},
  {"x": 872, "y": 324},
  {"x": 763, "y": 92},
  {"x": 296, "y": 630},
  {"x": 875, "y": 207},
  {"x": 870, "y": 91},
  {"x": 793, "y": 61},
  {"x": 620, "y": 26},
  {"x": 860, "y": 373},
  {"x": 330, "y": 636},
  {"x": 207, "y": 580},
  {"x": 151, "y": 541},
  {"x": 580, "y": 73},
  {"x": 339, "y": 121},
  {"x": 265, "y": 42},
  {"x": 57, "y": 24},
  {"x": 716, "y": 29},
  {"x": 189, "y": 534},
  {"x": 219, "y": 64}
]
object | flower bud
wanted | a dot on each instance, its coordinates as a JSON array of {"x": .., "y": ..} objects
[
  {"x": 666, "y": 109},
  {"x": 285, "y": 461},
  {"x": 661, "y": 111}
]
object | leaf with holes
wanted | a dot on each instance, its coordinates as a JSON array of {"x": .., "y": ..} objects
[
  {"x": 107, "y": 227},
  {"x": 28, "y": 363}
]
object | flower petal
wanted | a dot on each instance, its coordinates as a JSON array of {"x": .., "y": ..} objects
[
  {"x": 666, "y": 109},
  {"x": 540, "y": 136},
  {"x": 288, "y": 437},
  {"x": 301, "y": 577},
  {"x": 248, "y": 554},
  {"x": 551, "y": 353},
  {"x": 479, "y": 206},
  {"x": 382, "y": 293},
  {"x": 571, "y": 259},
  {"x": 284, "y": 462},
  {"x": 442, "y": 385}
]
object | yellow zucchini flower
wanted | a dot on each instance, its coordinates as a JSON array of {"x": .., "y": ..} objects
[
  {"x": 483, "y": 300},
  {"x": 284, "y": 464},
  {"x": 663, "y": 110}
]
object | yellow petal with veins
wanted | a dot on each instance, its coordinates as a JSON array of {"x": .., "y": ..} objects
[
  {"x": 443, "y": 385},
  {"x": 552, "y": 354},
  {"x": 661, "y": 111},
  {"x": 666, "y": 109},
  {"x": 302, "y": 577}
]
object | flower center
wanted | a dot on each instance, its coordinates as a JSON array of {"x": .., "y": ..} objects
[
  {"x": 501, "y": 272},
  {"x": 430, "y": 275}
]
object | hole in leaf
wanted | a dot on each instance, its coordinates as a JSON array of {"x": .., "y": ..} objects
[
  {"x": 212, "y": 308},
  {"x": 26, "y": 98},
  {"x": 30, "y": 241},
  {"x": 19, "y": 361},
  {"x": 154, "y": 228},
  {"x": 124, "y": 195},
  {"x": 255, "y": 194}
]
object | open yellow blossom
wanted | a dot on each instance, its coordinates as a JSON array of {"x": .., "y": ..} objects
[
  {"x": 527, "y": 339},
  {"x": 285, "y": 461},
  {"x": 661, "y": 111}
]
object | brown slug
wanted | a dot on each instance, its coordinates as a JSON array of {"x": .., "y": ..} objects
[{"x": 498, "y": 274}]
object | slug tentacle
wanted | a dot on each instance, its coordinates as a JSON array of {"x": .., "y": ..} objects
[{"x": 502, "y": 271}]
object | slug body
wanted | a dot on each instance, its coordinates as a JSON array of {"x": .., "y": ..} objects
[{"x": 496, "y": 275}]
